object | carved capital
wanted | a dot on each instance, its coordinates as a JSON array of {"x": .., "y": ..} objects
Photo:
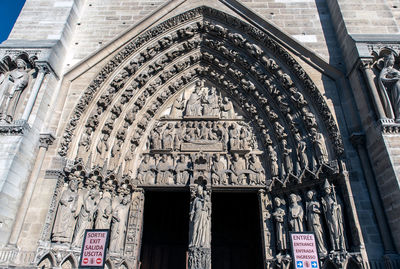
[
  {"x": 43, "y": 67},
  {"x": 46, "y": 140}
]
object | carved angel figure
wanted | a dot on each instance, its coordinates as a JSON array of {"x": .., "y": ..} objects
[
  {"x": 389, "y": 83},
  {"x": 65, "y": 219}
]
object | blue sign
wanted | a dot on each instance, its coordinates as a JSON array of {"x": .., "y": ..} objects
[
  {"x": 299, "y": 264},
  {"x": 314, "y": 264}
]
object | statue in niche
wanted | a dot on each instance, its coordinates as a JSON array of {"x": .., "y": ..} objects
[
  {"x": 17, "y": 81},
  {"x": 85, "y": 216},
  {"x": 313, "y": 212},
  {"x": 267, "y": 221},
  {"x": 200, "y": 220},
  {"x": 227, "y": 108},
  {"x": 182, "y": 170},
  {"x": 238, "y": 170},
  {"x": 319, "y": 146},
  {"x": 180, "y": 131},
  {"x": 177, "y": 108},
  {"x": 334, "y": 217},
  {"x": 104, "y": 211},
  {"x": 193, "y": 105},
  {"x": 165, "y": 170},
  {"x": 168, "y": 137},
  {"x": 218, "y": 171},
  {"x": 65, "y": 219},
  {"x": 273, "y": 162},
  {"x": 102, "y": 149},
  {"x": 211, "y": 103},
  {"x": 301, "y": 151},
  {"x": 146, "y": 170},
  {"x": 287, "y": 157},
  {"x": 280, "y": 224},
  {"x": 119, "y": 225},
  {"x": 116, "y": 154},
  {"x": 389, "y": 81},
  {"x": 257, "y": 172},
  {"x": 296, "y": 214},
  {"x": 84, "y": 143},
  {"x": 129, "y": 159},
  {"x": 234, "y": 136}
]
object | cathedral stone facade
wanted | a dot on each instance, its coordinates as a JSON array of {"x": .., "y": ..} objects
[{"x": 201, "y": 133}]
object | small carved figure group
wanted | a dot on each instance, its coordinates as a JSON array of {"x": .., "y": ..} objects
[
  {"x": 81, "y": 209},
  {"x": 203, "y": 102},
  {"x": 171, "y": 136}
]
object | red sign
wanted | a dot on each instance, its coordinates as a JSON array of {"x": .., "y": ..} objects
[
  {"x": 94, "y": 248},
  {"x": 304, "y": 249}
]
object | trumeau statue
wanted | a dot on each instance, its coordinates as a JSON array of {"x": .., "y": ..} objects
[
  {"x": 17, "y": 81},
  {"x": 200, "y": 220},
  {"x": 296, "y": 214},
  {"x": 389, "y": 83},
  {"x": 85, "y": 216},
  {"x": 64, "y": 224},
  {"x": 334, "y": 217},
  {"x": 119, "y": 225},
  {"x": 313, "y": 217}
]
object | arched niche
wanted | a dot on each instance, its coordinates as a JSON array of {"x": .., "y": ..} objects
[
  {"x": 47, "y": 262},
  {"x": 69, "y": 263}
]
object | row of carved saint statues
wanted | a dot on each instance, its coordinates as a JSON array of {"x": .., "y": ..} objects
[
  {"x": 321, "y": 214},
  {"x": 81, "y": 209},
  {"x": 224, "y": 169}
]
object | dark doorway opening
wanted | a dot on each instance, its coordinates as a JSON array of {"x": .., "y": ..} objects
[
  {"x": 165, "y": 230},
  {"x": 236, "y": 242}
]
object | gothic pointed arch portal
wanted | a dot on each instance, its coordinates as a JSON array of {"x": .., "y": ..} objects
[{"x": 207, "y": 102}]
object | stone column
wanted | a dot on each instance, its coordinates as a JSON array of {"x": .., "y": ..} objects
[
  {"x": 44, "y": 141},
  {"x": 381, "y": 111},
  {"x": 265, "y": 203},
  {"x": 43, "y": 70},
  {"x": 200, "y": 228},
  {"x": 358, "y": 141},
  {"x": 135, "y": 228}
]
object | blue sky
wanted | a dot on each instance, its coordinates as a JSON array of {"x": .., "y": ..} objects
[{"x": 9, "y": 11}]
